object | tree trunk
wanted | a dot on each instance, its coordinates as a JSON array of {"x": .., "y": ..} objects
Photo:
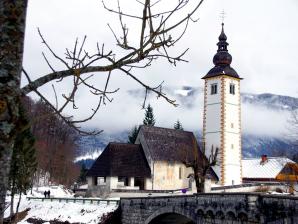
[
  {"x": 11, "y": 204},
  {"x": 19, "y": 202},
  {"x": 12, "y": 30},
  {"x": 12, "y": 199}
]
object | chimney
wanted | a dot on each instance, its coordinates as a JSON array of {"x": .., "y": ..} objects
[{"x": 264, "y": 159}]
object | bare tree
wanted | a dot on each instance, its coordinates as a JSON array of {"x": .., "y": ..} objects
[
  {"x": 201, "y": 164},
  {"x": 158, "y": 33}
]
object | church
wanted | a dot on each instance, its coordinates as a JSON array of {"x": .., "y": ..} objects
[{"x": 156, "y": 161}]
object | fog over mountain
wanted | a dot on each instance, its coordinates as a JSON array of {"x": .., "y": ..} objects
[
  {"x": 264, "y": 120},
  {"x": 264, "y": 114}
]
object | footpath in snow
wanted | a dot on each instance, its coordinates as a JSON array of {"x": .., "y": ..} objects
[{"x": 54, "y": 210}]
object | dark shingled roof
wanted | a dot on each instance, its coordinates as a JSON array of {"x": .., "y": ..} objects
[
  {"x": 121, "y": 159},
  {"x": 168, "y": 144},
  {"x": 218, "y": 70}
]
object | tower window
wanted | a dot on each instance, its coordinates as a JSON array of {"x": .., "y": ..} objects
[
  {"x": 232, "y": 88},
  {"x": 232, "y": 125},
  {"x": 213, "y": 89},
  {"x": 180, "y": 173},
  {"x": 232, "y": 146}
]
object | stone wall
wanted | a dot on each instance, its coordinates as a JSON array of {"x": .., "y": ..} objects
[
  {"x": 218, "y": 208},
  {"x": 251, "y": 187}
]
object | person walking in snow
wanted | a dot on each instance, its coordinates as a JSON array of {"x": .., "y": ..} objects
[
  {"x": 49, "y": 192},
  {"x": 45, "y": 194}
]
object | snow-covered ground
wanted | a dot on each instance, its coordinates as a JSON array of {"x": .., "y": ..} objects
[
  {"x": 71, "y": 212},
  {"x": 56, "y": 191}
]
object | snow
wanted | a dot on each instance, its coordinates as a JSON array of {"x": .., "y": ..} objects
[
  {"x": 253, "y": 168},
  {"x": 56, "y": 191},
  {"x": 63, "y": 211},
  {"x": 71, "y": 212}
]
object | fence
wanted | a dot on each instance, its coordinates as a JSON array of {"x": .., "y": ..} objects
[{"x": 75, "y": 200}]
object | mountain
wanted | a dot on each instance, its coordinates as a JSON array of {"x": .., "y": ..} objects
[
  {"x": 274, "y": 102},
  {"x": 253, "y": 145}
]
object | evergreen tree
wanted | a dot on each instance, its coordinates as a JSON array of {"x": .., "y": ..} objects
[
  {"x": 133, "y": 135},
  {"x": 23, "y": 165},
  {"x": 149, "y": 116},
  {"x": 83, "y": 172},
  {"x": 178, "y": 125}
]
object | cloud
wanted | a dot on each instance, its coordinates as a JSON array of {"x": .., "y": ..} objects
[
  {"x": 260, "y": 120},
  {"x": 262, "y": 42},
  {"x": 256, "y": 119}
]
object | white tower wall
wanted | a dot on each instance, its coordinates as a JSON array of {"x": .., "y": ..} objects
[{"x": 222, "y": 127}]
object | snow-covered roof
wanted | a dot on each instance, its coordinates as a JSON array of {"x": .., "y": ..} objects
[{"x": 253, "y": 168}]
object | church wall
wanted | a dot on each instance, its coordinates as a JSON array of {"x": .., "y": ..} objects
[
  {"x": 222, "y": 127},
  {"x": 216, "y": 97},
  {"x": 232, "y": 133},
  {"x": 230, "y": 98},
  {"x": 212, "y": 120},
  {"x": 166, "y": 176}
]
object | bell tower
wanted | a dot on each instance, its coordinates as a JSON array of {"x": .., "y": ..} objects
[{"x": 222, "y": 115}]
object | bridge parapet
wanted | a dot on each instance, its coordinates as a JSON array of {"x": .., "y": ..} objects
[{"x": 221, "y": 208}]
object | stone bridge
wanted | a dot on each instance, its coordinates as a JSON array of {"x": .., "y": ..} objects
[{"x": 210, "y": 208}]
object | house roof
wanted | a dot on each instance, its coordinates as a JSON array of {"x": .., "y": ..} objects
[
  {"x": 253, "y": 168},
  {"x": 172, "y": 145},
  {"x": 166, "y": 144},
  {"x": 121, "y": 159}
]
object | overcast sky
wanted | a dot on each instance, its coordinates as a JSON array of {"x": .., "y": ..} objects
[{"x": 262, "y": 37}]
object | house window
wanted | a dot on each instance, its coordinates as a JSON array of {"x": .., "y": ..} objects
[
  {"x": 101, "y": 180},
  {"x": 214, "y": 89},
  {"x": 232, "y": 146},
  {"x": 232, "y": 125},
  {"x": 180, "y": 173},
  {"x": 123, "y": 181},
  {"x": 232, "y": 88}
]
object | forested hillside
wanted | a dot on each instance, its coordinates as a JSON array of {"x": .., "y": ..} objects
[{"x": 55, "y": 145}]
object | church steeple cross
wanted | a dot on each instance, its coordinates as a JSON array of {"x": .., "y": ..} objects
[{"x": 222, "y": 16}]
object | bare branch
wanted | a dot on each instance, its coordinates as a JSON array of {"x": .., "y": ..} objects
[
  {"x": 117, "y": 12},
  {"x": 53, "y": 53},
  {"x": 159, "y": 93},
  {"x": 55, "y": 96},
  {"x": 154, "y": 40},
  {"x": 67, "y": 120}
]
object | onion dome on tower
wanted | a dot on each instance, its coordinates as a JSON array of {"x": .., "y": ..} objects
[{"x": 222, "y": 59}]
